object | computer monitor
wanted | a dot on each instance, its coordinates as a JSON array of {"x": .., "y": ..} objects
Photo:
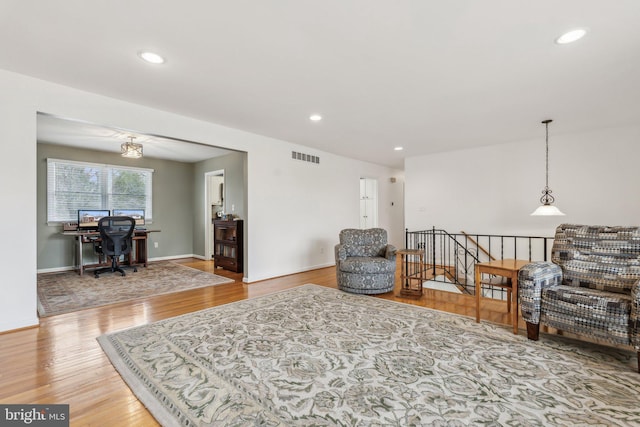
[
  {"x": 88, "y": 218},
  {"x": 137, "y": 214}
]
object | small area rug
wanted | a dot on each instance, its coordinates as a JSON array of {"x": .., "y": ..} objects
[
  {"x": 318, "y": 356},
  {"x": 442, "y": 284},
  {"x": 66, "y": 292}
]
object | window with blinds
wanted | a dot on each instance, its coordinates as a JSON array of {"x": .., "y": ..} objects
[{"x": 77, "y": 185}]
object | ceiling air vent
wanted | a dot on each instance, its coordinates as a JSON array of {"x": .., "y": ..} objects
[{"x": 305, "y": 157}]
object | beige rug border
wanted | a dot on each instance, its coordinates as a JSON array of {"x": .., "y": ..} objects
[
  {"x": 166, "y": 418},
  {"x": 224, "y": 281},
  {"x": 148, "y": 400},
  {"x": 153, "y": 405}
]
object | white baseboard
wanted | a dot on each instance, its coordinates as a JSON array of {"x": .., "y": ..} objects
[
  {"x": 170, "y": 257},
  {"x": 55, "y": 270},
  {"x": 73, "y": 267},
  {"x": 15, "y": 324},
  {"x": 246, "y": 279}
]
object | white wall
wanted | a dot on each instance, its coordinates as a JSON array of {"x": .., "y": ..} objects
[
  {"x": 494, "y": 189},
  {"x": 294, "y": 210},
  {"x": 307, "y": 205},
  {"x": 18, "y": 217}
]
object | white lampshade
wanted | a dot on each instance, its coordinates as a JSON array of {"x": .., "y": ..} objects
[{"x": 547, "y": 210}]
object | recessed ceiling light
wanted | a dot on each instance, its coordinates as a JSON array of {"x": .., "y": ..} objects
[
  {"x": 398, "y": 148},
  {"x": 315, "y": 117},
  {"x": 151, "y": 57},
  {"x": 571, "y": 36}
]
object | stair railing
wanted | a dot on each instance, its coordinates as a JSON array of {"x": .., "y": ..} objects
[
  {"x": 480, "y": 247},
  {"x": 451, "y": 257}
]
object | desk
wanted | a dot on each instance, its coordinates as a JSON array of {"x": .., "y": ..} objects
[
  {"x": 506, "y": 268},
  {"x": 137, "y": 256},
  {"x": 412, "y": 271}
]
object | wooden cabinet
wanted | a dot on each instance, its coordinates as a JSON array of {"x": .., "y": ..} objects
[{"x": 227, "y": 244}]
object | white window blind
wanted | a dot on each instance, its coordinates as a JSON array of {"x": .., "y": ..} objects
[{"x": 77, "y": 185}]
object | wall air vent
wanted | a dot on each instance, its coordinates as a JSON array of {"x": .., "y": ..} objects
[{"x": 305, "y": 157}]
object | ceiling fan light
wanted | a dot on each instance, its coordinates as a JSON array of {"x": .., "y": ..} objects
[{"x": 131, "y": 149}]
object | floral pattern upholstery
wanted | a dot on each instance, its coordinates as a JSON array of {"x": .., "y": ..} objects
[
  {"x": 365, "y": 262},
  {"x": 592, "y": 286}
]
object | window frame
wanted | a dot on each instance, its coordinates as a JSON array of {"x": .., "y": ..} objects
[{"x": 106, "y": 182}]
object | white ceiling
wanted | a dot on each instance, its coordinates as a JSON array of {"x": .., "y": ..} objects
[
  {"x": 56, "y": 130},
  {"x": 427, "y": 75}
]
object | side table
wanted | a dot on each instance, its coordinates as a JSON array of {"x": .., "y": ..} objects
[
  {"x": 506, "y": 268},
  {"x": 412, "y": 274}
]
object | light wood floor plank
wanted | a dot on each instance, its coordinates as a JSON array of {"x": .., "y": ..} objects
[{"x": 61, "y": 362}]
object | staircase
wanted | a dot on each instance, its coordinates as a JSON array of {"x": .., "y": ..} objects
[{"x": 451, "y": 257}]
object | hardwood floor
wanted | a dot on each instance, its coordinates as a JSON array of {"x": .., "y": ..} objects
[{"x": 61, "y": 362}]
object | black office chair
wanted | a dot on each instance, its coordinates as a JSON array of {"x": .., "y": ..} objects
[{"x": 116, "y": 233}]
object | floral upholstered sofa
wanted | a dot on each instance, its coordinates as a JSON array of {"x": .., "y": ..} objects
[
  {"x": 365, "y": 262},
  {"x": 591, "y": 287}
]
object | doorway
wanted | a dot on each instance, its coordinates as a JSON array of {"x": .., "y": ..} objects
[
  {"x": 214, "y": 205},
  {"x": 368, "y": 203}
]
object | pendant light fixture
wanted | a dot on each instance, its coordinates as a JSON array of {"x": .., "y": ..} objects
[
  {"x": 131, "y": 149},
  {"x": 547, "y": 208}
]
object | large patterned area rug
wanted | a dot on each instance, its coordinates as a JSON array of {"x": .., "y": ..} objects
[
  {"x": 317, "y": 356},
  {"x": 66, "y": 292}
]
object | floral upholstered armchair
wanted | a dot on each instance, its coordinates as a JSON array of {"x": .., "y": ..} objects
[
  {"x": 365, "y": 263},
  {"x": 591, "y": 288}
]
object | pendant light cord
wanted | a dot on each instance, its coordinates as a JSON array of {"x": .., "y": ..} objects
[
  {"x": 546, "y": 122},
  {"x": 546, "y": 176}
]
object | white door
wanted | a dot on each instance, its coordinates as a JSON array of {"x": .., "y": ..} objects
[
  {"x": 214, "y": 203},
  {"x": 368, "y": 202}
]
